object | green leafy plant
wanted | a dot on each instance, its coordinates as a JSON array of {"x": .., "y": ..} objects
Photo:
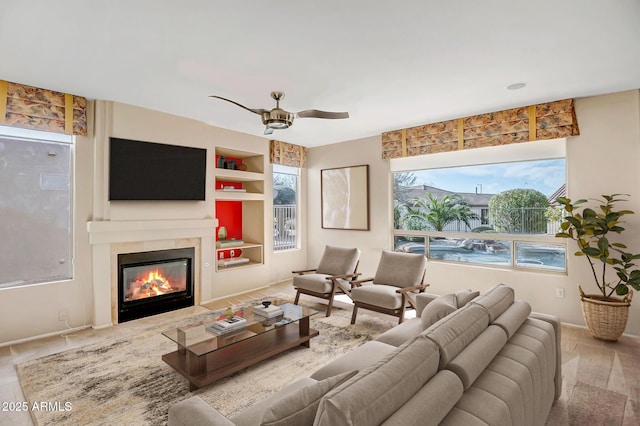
[{"x": 591, "y": 229}]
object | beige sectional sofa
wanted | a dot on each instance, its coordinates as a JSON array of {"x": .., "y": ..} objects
[{"x": 486, "y": 361}]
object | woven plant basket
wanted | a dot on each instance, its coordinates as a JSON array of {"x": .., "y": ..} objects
[{"x": 605, "y": 318}]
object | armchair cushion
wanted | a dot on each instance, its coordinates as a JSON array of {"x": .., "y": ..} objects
[
  {"x": 384, "y": 296},
  {"x": 400, "y": 269},
  {"x": 438, "y": 309},
  {"x": 338, "y": 260},
  {"x": 313, "y": 282}
]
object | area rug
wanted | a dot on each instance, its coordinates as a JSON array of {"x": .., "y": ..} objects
[{"x": 123, "y": 380}]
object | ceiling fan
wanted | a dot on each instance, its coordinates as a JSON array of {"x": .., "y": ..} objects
[{"x": 278, "y": 118}]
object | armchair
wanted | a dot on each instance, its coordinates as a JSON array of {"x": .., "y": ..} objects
[
  {"x": 337, "y": 268},
  {"x": 398, "y": 278}
]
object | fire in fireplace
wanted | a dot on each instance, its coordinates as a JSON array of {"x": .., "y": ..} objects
[{"x": 153, "y": 282}]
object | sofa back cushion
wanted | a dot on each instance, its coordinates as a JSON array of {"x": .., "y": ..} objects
[
  {"x": 511, "y": 319},
  {"x": 299, "y": 408},
  {"x": 496, "y": 300},
  {"x": 454, "y": 332},
  {"x": 381, "y": 389},
  {"x": 473, "y": 359},
  {"x": 338, "y": 260},
  {"x": 438, "y": 309}
]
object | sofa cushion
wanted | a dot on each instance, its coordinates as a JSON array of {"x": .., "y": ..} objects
[
  {"x": 401, "y": 333},
  {"x": 431, "y": 403},
  {"x": 496, "y": 300},
  {"x": 338, "y": 260},
  {"x": 511, "y": 319},
  {"x": 299, "y": 408},
  {"x": 357, "y": 359},
  {"x": 488, "y": 408},
  {"x": 465, "y": 296},
  {"x": 472, "y": 361},
  {"x": 438, "y": 309},
  {"x": 380, "y": 390},
  {"x": 253, "y": 414},
  {"x": 194, "y": 411},
  {"x": 454, "y": 332}
]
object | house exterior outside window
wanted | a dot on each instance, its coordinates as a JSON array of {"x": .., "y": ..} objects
[
  {"x": 285, "y": 207},
  {"x": 36, "y": 207}
]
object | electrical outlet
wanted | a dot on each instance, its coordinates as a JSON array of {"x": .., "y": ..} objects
[
  {"x": 560, "y": 293},
  {"x": 62, "y": 316}
]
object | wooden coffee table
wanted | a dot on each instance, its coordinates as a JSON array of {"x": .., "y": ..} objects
[{"x": 206, "y": 355}]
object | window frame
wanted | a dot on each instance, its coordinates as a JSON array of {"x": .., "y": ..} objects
[{"x": 540, "y": 150}]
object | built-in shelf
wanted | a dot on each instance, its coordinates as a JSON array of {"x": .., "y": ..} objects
[
  {"x": 251, "y": 251},
  {"x": 238, "y": 196},
  {"x": 250, "y": 213},
  {"x": 238, "y": 175}
]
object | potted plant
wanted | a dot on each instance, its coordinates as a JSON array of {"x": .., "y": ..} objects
[{"x": 613, "y": 267}]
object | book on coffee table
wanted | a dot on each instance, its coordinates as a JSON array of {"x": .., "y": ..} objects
[
  {"x": 270, "y": 312},
  {"x": 228, "y": 324}
]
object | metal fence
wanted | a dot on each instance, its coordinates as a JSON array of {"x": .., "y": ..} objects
[
  {"x": 284, "y": 227},
  {"x": 525, "y": 220}
]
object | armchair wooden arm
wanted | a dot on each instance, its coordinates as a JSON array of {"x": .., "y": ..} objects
[
  {"x": 358, "y": 283},
  {"x": 419, "y": 287},
  {"x": 303, "y": 271},
  {"x": 345, "y": 276}
]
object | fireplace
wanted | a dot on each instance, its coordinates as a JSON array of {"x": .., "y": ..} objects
[{"x": 153, "y": 282}]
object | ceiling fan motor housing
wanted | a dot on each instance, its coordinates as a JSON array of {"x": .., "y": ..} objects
[{"x": 277, "y": 118}]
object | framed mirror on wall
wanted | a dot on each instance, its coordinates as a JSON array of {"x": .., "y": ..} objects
[{"x": 344, "y": 195}]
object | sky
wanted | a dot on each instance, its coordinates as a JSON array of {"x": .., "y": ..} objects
[{"x": 544, "y": 175}]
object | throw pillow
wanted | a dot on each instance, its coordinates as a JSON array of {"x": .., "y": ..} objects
[
  {"x": 465, "y": 296},
  {"x": 438, "y": 309},
  {"x": 299, "y": 408}
]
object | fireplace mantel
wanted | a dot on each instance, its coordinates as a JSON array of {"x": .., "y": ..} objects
[{"x": 109, "y": 232}]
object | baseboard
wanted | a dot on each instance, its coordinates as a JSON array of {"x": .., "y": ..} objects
[
  {"x": 584, "y": 327},
  {"x": 42, "y": 336}
]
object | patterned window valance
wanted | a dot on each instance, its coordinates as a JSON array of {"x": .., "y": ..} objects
[
  {"x": 287, "y": 154},
  {"x": 536, "y": 122},
  {"x": 41, "y": 109}
]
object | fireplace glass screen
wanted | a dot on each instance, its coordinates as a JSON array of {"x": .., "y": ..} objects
[
  {"x": 145, "y": 281},
  {"x": 153, "y": 282}
]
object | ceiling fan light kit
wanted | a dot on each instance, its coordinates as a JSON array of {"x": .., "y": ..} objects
[{"x": 278, "y": 119}]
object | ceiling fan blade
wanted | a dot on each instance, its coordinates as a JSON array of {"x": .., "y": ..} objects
[
  {"x": 314, "y": 113},
  {"x": 268, "y": 130},
  {"x": 255, "y": 111}
]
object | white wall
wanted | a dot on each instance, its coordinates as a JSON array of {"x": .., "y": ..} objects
[
  {"x": 602, "y": 160},
  {"x": 372, "y": 242}
]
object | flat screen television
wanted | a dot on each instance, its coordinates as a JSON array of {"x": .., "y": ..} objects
[{"x": 153, "y": 171}]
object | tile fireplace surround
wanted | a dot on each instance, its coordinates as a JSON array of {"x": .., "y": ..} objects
[{"x": 110, "y": 238}]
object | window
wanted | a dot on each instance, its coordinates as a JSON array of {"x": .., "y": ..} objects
[
  {"x": 285, "y": 206},
  {"x": 35, "y": 207},
  {"x": 501, "y": 214}
]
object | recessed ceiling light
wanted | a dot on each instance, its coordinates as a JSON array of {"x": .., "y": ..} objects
[{"x": 516, "y": 86}]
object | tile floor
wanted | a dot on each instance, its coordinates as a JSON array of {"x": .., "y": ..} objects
[{"x": 601, "y": 380}]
